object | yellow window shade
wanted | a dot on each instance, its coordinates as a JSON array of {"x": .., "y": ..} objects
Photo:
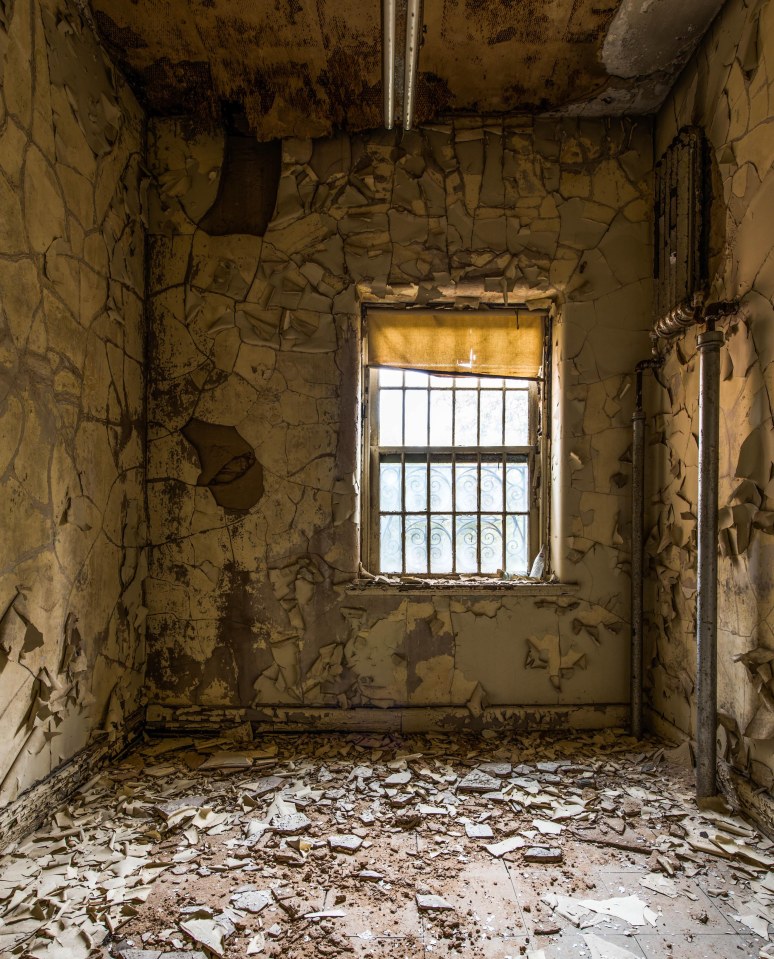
[{"x": 484, "y": 343}]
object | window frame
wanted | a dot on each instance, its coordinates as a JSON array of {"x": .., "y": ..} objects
[{"x": 537, "y": 453}]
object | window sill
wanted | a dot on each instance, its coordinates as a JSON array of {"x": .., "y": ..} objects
[{"x": 525, "y": 586}]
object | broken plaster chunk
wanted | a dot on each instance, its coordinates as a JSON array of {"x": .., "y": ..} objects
[
  {"x": 758, "y": 924},
  {"x": 251, "y": 900},
  {"x": 429, "y": 903},
  {"x": 630, "y": 909},
  {"x": 266, "y": 784},
  {"x": 222, "y": 759},
  {"x": 398, "y": 779},
  {"x": 208, "y": 932},
  {"x": 543, "y": 854},
  {"x": 477, "y": 781},
  {"x": 290, "y": 823},
  {"x": 370, "y": 875},
  {"x": 502, "y": 770},
  {"x": 256, "y": 945},
  {"x": 347, "y": 844},
  {"x": 602, "y": 949},
  {"x": 507, "y": 845},
  {"x": 478, "y": 830},
  {"x": 547, "y": 828}
]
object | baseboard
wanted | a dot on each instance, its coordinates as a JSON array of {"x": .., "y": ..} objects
[
  {"x": 738, "y": 789},
  {"x": 170, "y": 720},
  {"x": 32, "y": 807},
  {"x": 663, "y": 728},
  {"x": 753, "y": 800}
]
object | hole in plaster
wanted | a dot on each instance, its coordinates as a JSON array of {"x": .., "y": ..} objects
[
  {"x": 229, "y": 467},
  {"x": 248, "y": 187}
]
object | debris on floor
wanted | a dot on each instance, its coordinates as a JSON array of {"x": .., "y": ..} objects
[{"x": 366, "y": 845}]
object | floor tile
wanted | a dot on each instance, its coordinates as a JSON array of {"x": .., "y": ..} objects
[
  {"x": 711, "y": 946},
  {"x": 394, "y": 947},
  {"x": 676, "y": 916}
]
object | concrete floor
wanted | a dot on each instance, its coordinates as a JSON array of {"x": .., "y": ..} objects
[{"x": 171, "y": 851}]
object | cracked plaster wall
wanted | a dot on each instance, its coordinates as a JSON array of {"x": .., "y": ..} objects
[
  {"x": 728, "y": 88},
  {"x": 249, "y": 610},
  {"x": 71, "y": 393}
]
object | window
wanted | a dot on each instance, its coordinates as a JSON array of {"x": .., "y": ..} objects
[{"x": 453, "y": 457}]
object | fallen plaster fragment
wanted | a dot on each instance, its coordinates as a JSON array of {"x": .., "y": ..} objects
[
  {"x": 630, "y": 909},
  {"x": 256, "y": 945},
  {"x": 658, "y": 883},
  {"x": 507, "y": 845},
  {"x": 290, "y": 823},
  {"x": 429, "y": 903},
  {"x": 398, "y": 779},
  {"x": 503, "y": 770},
  {"x": 547, "y": 828},
  {"x": 478, "y": 830},
  {"x": 758, "y": 924},
  {"x": 226, "y": 760},
  {"x": 251, "y": 900},
  {"x": 602, "y": 949},
  {"x": 348, "y": 844},
  {"x": 207, "y": 932},
  {"x": 543, "y": 854},
  {"x": 266, "y": 784},
  {"x": 477, "y": 781}
]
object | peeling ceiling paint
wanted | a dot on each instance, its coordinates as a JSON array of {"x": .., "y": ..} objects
[{"x": 313, "y": 69}]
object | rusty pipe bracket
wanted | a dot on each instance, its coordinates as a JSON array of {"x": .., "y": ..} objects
[
  {"x": 686, "y": 315},
  {"x": 652, "y": 364}
]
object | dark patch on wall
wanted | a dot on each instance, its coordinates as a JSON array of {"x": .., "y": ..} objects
[
  {"x": 229, "y": 467},
  {"x": 167, "y": 86},
  {"x": 354, "y": 104},
  {"x": 433, "y": 96},
  {"x": 424, "y": 642},
  {"x": 247, "y": 193},
  {"x": 236, "y": 634},
  {"x": 115, "y": 37}
]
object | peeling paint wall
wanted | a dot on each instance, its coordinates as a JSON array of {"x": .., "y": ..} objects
[
  {"x": 728, "y": 89},
  {"x": 259, "y": 337},
  {"x": 71, "y": 394}
]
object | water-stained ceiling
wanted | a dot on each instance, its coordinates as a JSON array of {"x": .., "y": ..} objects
[{"x": 309, "y": 67}]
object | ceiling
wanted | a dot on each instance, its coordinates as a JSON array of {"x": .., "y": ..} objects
[{"x": 311, "y": 67}]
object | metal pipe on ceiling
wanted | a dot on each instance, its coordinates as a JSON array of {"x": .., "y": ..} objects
[
  {"x": 413, "y": 32},
  {"x": 709, "y": 344},
  {"x": 388, "y": 61}
]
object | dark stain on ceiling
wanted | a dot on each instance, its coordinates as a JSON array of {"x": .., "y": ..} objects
[{"x": 312, "y": 67}]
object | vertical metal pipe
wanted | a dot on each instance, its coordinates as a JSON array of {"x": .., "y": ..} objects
[
  {"x": 413, "y": 30},
  {"x": 638, "y": 514},
  {"x": 707, "y": 563},
  {"x": 388, "y": 61}
]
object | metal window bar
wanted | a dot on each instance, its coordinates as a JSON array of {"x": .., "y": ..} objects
[{"x": 452, "y": 455}]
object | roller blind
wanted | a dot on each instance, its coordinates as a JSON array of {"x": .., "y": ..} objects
[{"x": 484, "y": 343}]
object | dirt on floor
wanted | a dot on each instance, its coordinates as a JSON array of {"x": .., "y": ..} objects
[{"x": 363, "y": 845}]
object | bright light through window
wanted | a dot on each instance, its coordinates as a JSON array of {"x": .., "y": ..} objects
[{"x": 452, "y": 466}]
